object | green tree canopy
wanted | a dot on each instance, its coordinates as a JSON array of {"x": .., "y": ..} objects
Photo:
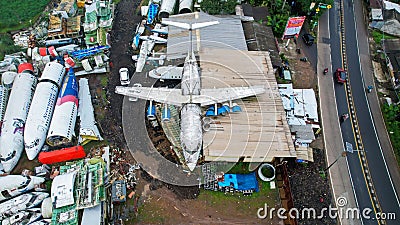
[{"x": 218, "y": 7}]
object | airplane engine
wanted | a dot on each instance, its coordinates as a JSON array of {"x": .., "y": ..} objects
[
  {"x": 166, "y": 113},
  {"x": 151, "y": 111},
  {"x": 236, "y": 108}
]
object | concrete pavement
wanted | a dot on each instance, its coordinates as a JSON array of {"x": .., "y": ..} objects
[{"x": 338, "y": 174}]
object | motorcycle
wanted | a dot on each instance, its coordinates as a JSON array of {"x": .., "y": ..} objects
[
  {"x": 304, "y": 59},
  {"x": 344, "y": 117},
  {"x": 325, "y": 71}
]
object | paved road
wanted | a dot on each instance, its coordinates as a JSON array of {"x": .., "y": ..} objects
[
  {"x": 359, "y": 185},
  {"x": 341, "y": 182},
  {"x": 377, "y": 165},
  {"x": 380, "y": 174}
]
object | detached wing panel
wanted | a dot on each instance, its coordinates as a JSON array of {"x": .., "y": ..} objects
[
  {"x": 162, "y": 95},
  {"x": 220, "y": 95}
]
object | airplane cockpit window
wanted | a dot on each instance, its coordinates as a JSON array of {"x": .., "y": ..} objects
[
  {"x": 34, "y": 144},
  {"x": 9, "y": 156},
  {"x": 18, "y": 123},
  {"x": 6, "y": 194}
]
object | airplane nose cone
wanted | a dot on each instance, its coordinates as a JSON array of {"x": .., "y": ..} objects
[
  {"x": 191, "y": 166},
  {"x": 8, "y": 166},
  {"x": 31, "y": 153}
]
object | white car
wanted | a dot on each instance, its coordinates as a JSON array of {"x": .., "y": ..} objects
[{"x": 124, "y": 76}]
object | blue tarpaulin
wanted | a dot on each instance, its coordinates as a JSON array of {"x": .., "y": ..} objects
[{"x": 240, "y": 181}]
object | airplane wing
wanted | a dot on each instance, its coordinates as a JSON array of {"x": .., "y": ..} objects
[
  {"x": 175, "y": 97},
  {"x": 162, "y": 95},
  {"x": 142, "y": 56},
  {"x": 220, "y": 95}
]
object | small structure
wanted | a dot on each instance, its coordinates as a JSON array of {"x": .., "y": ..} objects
[
  {"x": 392, "y": 51},
  {"x": 240, "y": 182},
  {"x": 266, "y": 172},
  {"x": 302, "y": 116},
  {"x": 98, "y": 21},
  {"x": 66, "y": 8},
  {"x": 93, "y": 215},
  {"x": 63, "y": 22},
  {"x": 62, "y": 190},
  {"x": 118, "y": 192}
]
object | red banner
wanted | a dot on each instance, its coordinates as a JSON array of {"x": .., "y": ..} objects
[{"x": 293, "y": 27}]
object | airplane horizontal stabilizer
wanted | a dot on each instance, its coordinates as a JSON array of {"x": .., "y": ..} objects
[{"x": 189, "y": 26}]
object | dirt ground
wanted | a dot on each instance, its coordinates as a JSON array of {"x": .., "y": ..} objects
[{"x": 303, "y": 75}]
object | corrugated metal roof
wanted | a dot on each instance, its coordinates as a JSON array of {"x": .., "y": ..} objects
[{"x": 228, "y": 34}]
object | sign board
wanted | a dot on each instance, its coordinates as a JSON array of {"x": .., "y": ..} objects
[{"x": 293, "y": 27}]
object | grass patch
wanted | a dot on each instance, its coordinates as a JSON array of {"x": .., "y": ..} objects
[
  {"x": 150, "y": 215},
  {"x": 7, "y": 46},
  {"x": 245, "y": 205},
  {"x": 240, "y": 168},
  {"x": 104, "y": 80},
  {"x": 378, "y": 36},
  {"x": 18, "y": 14},
  {"x": 94, "y": 144},
  {"x": 391, "y": 116}
]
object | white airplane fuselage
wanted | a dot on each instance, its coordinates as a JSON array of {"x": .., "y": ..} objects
[
  {"x": 13, "y": 185},
  {"x": 12, "y": 140},
  {"x": 41, "y": 110},
  {"x": 191, "y": 134}
]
